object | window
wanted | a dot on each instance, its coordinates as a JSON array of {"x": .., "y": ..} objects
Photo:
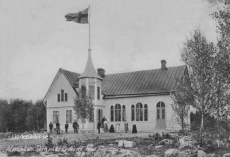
[
  {"x": 66, "y": 97},
  {"x": 160, "y": 110},
  {"x": 146, "y": 112},
  {"x": 98, "y": 93},
  {"x": 58, "y": 97},
  {"x": 91, "y": 92},
  {"x": 111, "y": 113},
  {"x": 163, "y": 113},
  {"x": 63, "y": 96},
  {"x": 132, "y": 113},
  {"x": 139, "y": 112},
  {"x": 158, "y": 113},
  {"x": 117, "y": 112},
  {"x": 55, "y": 116},
  {"x": 123, "y": 113},
  {"x": 68, "y": 116}
]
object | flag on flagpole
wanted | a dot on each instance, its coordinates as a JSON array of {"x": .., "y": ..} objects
[{"x": 80, "y": 17}]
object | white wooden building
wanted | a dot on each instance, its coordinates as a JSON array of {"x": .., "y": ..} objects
[{"x": 142, "y": 97}]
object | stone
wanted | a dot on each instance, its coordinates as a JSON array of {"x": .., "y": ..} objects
[
  {"x": 158, "y": 146},
  {"x": 226, "y": 155},
  {"x": 201, "y": 153},
  {"x": 167, "y": 141},
  {"x": 121, "y": 143},
  {"x": 171, "y": 152},
  {"x": 153, "y": 155},
  {"x": 129, "y": 144},
  {"x": 211, "y": 155},
  {"x": 3, "y": 154}
]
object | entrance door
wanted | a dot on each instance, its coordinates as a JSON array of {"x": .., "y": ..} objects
[
  {"x": 99, "y": 115},
  {"x": 160, "y": 122}
]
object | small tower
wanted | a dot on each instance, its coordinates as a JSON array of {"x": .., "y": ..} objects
[{"x": 92, "y": 81}]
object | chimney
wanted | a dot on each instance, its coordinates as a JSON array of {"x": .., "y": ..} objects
[
  {"x": 101, "y": 72},
  {"x": 163, "y": 65}
]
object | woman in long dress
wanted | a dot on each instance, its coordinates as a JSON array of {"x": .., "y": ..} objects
[
  {"x": 126, "y": 126},
  {"x": 105, "y": 126},
  {"x": 134, "y": 128}
]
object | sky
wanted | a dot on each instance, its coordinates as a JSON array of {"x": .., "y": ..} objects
[{"x": 130, "y": 35}]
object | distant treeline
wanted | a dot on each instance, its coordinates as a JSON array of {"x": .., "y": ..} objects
[{"x": 19, "y": 115}]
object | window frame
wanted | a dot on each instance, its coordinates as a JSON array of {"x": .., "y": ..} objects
[
  {"x": 69, "y": 116},
  {"x": 111, "y": 113},
  {"x": 117, "y": 113},
  {"x": 55, "y": 116}
]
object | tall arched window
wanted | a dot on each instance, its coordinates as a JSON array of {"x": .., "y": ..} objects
[
  {"x": 117, "y": 112},
  {"x": 160, "y": 110},
  {"x": 139, "y": 112},
  {"x": 146, "y": 112},
  {"x": 132, "y": 113},
  {"x": 123, "y": 113},
  {"x": 111, "y": 113}
]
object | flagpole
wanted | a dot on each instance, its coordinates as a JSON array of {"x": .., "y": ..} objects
[{"x": 89, "y": 28}]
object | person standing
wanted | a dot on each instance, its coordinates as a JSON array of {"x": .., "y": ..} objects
[
  {"x": 102, "y": 122},
  {"x": 58, "y": 127},
  {"x": 77, "y": 127},
  {"x": 134, "y": 130},
  {"x": 126, "y": 126},
  {"x": 99, "y": 126},
  {"x": 66, "y": 127},
  {"x": 105, "y": 126},
  {"x": 74, "y": 126},
  {"x": 51, "y": 127}
]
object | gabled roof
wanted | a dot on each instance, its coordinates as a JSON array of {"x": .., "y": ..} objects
[
  {"x": 142, "y": 82},
  {"x": 145, "y": 82},
  {"x": 89, "y": 71},
  {"x": 71, "y": 77}
]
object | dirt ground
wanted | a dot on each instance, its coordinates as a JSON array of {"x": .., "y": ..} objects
[{"x": 4, "y": 143}]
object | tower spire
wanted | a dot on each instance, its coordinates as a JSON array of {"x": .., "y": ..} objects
[{"x": 89, "y": 71}]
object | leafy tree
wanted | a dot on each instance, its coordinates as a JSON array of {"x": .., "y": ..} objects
[
  {"x": 6, "y": 116},
  {"x": 197, "y": 53},
  {"x": 83, "y": 106},
  {"x": 31, "y": 119},
  {"x": 41, "y": 114},
  {"x": 182, "y": 96}
]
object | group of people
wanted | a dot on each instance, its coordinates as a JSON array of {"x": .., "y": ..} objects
[
  {"x": 75, "y": 127},
  {"x": 103, "y": 124}
]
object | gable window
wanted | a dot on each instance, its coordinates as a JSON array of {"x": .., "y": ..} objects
[
  {"x": 123, "y": 113},
  {"x": 146, "y": 112},
  {"x": 117, "y": 112},
  {"x": 63, "y": 96},
  {"x": 98, "y": 93},
  {"x": 132, "y": 113},
  {"x": 58, "y": 98},
  {"x": 55, "y": 116},
  {"x": 66, "y": 97},
  {"x": 68, "y": 116},
  {"x": 111, "y": 113}
]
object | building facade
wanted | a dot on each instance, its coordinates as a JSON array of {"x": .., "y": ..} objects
[{"x": 141, "y": 97}]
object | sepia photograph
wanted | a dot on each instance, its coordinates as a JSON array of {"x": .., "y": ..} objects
[{"x": 118, "y": 78}]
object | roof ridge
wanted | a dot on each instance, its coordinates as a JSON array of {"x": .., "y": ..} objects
[
  {"x": 145, "y": 70},
  {"x": 68, "y": 71}
]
